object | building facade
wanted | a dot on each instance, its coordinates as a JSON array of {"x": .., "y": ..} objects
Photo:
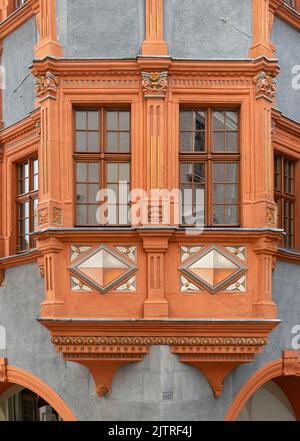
[{"x": 150, "y": 215}]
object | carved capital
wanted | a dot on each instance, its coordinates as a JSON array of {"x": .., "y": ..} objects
[
  {"x": 270, "y": 215},
  {"x": 155, "y": 84},
  {"x": 43, "y": 216},
  {"x": 46, "y": 84},
  {"x": 3, "y": 373},
  {"x": 265, "y": 86}
]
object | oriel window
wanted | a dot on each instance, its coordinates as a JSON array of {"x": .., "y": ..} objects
[
  {"x": 27, "y": 200},
  {"x": 102, "y": 161},
  {"x": 209, "y": 166}
]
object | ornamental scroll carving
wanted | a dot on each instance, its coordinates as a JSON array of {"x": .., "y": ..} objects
[
  {"x": 47, "y": 83},
  {"x": 265, "y": 86},
  {"x": 155, "y": 84}
]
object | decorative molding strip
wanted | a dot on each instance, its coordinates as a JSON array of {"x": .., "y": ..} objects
[
  {"x": 89, "y": 341},
  {"x": 31, "y": 124}
]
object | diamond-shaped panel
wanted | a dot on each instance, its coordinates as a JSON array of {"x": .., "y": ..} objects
[
  {"x": 102, "y": 268},
  {"x": 213, "y": 268}
]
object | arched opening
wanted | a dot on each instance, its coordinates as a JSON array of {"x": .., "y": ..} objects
[
  {"x": 268, "y": 403},
  {"x": 22, "y": 404},
  {"x": 271, "y": 393}
]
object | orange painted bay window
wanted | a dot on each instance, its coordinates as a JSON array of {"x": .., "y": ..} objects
[
  {"x": 285, "y": 197},
  {"x": 209, "y": 166},
  {"x": 27, "y": 200},
  {"x": 102, "y": 161}
]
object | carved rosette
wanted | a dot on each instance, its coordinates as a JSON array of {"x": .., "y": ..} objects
[
  {"x": 46, "y": 84},
  {"x": 155, "y": 84},
  {"x": 265, "y": 86}
]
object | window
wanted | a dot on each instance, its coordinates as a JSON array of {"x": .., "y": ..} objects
[
  {"x": 209, "y": 166},
  {"x": 27, "y": 200},
  {"x": 285, "y": 197},
  {"x": 291, "y": 3},
  {"x": 102, "y": 156},
  {"x": 19, "y": 3}
]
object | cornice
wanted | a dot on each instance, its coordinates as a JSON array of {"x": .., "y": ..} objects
[
  {"x": 288, "y": 256},
  {"x": 133, "y": 67},
  {"x": 19, "y": 259},
  {"x": 286, "y": 132},
  {"x": 16, "y": 131},
  {"x": 288, "y": 14},
  {"x": 22, "y": 14}
]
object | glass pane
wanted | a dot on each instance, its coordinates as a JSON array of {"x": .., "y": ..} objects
[
  {"x": 124, "y": 118},
  {"x": 219, "y": 172},
  {"x": 200, "y": 141},
  {"x": 81, "y": 141},
  {"x": 82, "y": 196},
  {"x": 186, "y": 120},
  {"x": 123, "y": 215},
  {"x": 218, "y": 216},
  {"x": 231, "y": 120},
  {"x": 218, "y": 142},
  {"x": 35, "y": 182},
  {"x": 81, "y": 171},
  {"x": 218, "y": 120},
  {"x": 112, "y": 142},
  {"x": 112, "y": 120},
  {"x": 81, "y": 218},
  {"x": 93, "y": 190},
  {"x": 232, "y": 141},
  {"x": 93, "y": 141},
  {"x": 35, "y": 166},
  {"x": 199, "y": 120},
  {"x": 93, "y": 172},
  {"x": 186, "y": 172},
  {"x": 124, "y": 171},
  {"x": 81, "y": 120},
  {"x": 219, "y": 191},
  {"x": 232, "y": 172},
  {"x": 92, "y": 214},
  {"x": 124, "y": 141},
  {"x": 231, "y": 214},
  {"x": 231, "y": 193},
  {"x": 186, "y": 141},
  {"x": 199, "y": 173},
  {"x": 93, "y": 120},
  {"x": 112, "y": 172},
  {"x": 113, "y": 195}
]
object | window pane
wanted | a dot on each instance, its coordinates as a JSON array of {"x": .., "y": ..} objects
[
  {"x": 93, "y": 190},
  {"x": 81, "y": 218},
  {"x": 81, "y": 141},
  {"x": 219, "y": 194},
  {"x": 231, "y": 120},
  {"x": 92, "y": 214},
  {"x": 112, "y": 142},
  {"x": 93, "y": 170},
  {"x": 186, "y": 141},
  {"x": 124, "y": 120},
  {"x": 200, "y": 141},
  {"x": 93, "y": 141},
  {"x": 219, "y": 172},
  {"x": 231, "y": 214},
  {"x": 186, "y": 172},
  {"x": 124, "y": 171},
  {"x": 112, "y": 172},
  {"x": 82, "y": 193},
  {"x": 124, "y": 141},
  {"x": 232, "y": 172},
  {"x": 218, "y": 120},
  {"x": 232, "y": 141},
  {"x": 231, "y": 193},
  {"x": 81, "y": 120},
  {"x": 218, "y": 142},
  {"x": 81, "y": 171},
  {"x": 112, "y": 120},
  {"x": 199, "y": 120},
  {"x": 93, "y": 120},
  {"x": 219, "y": 215},
  {"x": 186, "y": 120}
]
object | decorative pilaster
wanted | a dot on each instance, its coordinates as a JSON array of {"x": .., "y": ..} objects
[
  {"x": 261, "y": 43},
  {"x": 154, "y": 44},
  {"x": 156, "y": 245},
  {"x": 46, "y": 20}
]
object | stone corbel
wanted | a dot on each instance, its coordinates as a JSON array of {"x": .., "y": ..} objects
[
  {"x": 265, "y": 86},
  {"x": 46, "y": 85}
]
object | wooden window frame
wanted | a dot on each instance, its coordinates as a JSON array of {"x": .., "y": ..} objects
[
  {"x": 284, "y": 196},
  {"x": 101, "y": 157},
  {"x": 31, "y": 196},
  {"x": 209, "y": 158}
]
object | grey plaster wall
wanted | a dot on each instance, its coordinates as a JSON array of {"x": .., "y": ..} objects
[
  {"x": 100, "y": 28},
  {"x": 18, "y": 96},
  {"x": 137, "y": 388},
  {"x": 208, "y": 29},
  {"x": 287, "y": 41}
]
